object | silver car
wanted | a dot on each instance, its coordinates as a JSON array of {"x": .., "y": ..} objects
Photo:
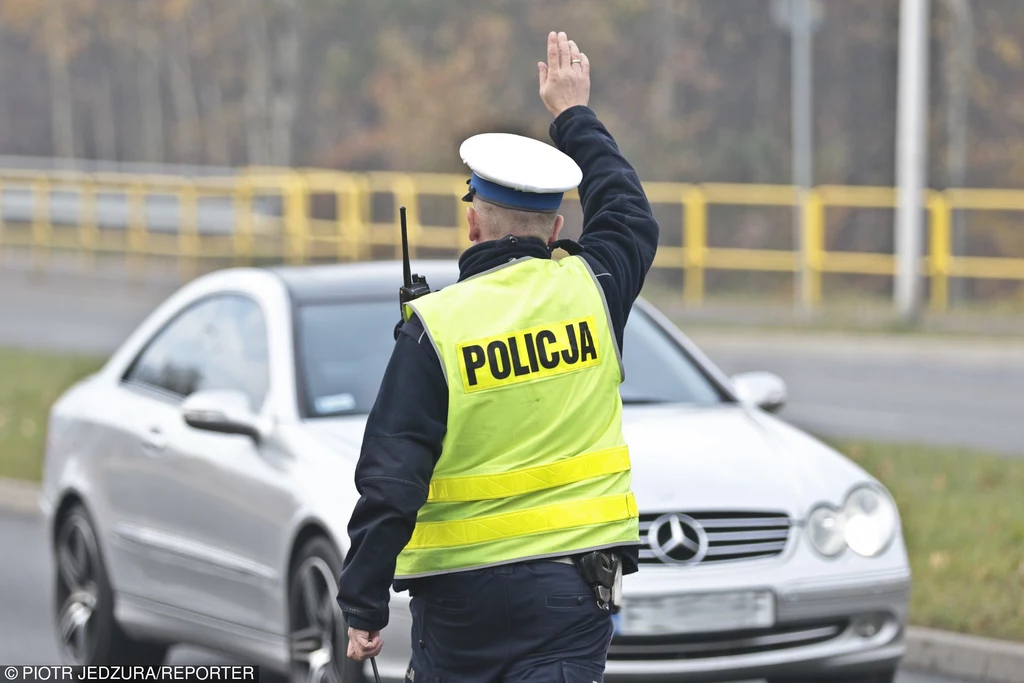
[{"x": 198, "y": 487}]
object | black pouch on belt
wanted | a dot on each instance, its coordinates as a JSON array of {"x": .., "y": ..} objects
[{"x": 602, "y": 571}]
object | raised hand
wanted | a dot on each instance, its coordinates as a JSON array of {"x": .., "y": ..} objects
[{"x": 565, "y": 79}]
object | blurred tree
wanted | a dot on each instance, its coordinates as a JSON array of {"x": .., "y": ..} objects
[
  {"x": 47, "y": 23},
  {"x": 694, "y": 90},
  {"x": 188, "y": 133},
  {"x": 147, "y": 43},
  {"x": 257, "y": 86},
  {"x": 209, "y": 30},
  {"x": 58, "y": 49},
  {"x": 286, "y": 74}
]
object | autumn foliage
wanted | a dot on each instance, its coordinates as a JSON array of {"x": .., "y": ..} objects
[{"x": 694, "y": 90}]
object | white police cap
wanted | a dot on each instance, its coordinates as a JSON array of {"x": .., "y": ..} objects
[{"x": 518, "y": 172}]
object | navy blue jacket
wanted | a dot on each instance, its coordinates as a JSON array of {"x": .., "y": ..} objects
[{"x": 407, "y": 424}]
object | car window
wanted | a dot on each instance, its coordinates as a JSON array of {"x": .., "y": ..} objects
[
  {"x": 343, "y": 350},
  {"x": 657, "y": 371},
  {"x": 217, "y": 343},
  {"x": 344, "y": 347}
]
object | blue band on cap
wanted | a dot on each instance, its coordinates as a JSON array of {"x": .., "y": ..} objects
[{"x": 514, "y": 199}]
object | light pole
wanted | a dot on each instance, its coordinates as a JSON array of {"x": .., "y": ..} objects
[
  {"x": 911, "y": 153},
  {"x": 801, "y": 18},
  {"x": 803, "y": 132},
  {"x": 959, "y": 61}
]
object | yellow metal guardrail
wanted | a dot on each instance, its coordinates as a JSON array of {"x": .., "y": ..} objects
[{"x": 301, "y": 214}]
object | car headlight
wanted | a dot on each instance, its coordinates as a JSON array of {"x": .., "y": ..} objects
[
  {"x": 870, "y": 521},
  {"x": 825, "y": 528},
  {"x": 865, "y": 524}
]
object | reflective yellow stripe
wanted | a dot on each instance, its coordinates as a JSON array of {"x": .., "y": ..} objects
[
  {"x": 524, "y": 522},
  {"x": 526, "y": 480}
]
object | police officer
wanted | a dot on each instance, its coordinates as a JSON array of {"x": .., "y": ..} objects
[{"x": 494, "y": 477}]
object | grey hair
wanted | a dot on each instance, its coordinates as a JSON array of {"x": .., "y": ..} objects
[{"x": 497, "y": 221}]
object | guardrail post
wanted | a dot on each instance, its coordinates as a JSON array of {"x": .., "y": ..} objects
[
  {"x": 359, "y": 217},
  {"x": 41, "y": 227},
  {"x": 404, "y": 192},
  {"x": 296, "y": 222},
  {"x": 940, "y": 250},
  {"x": 88, "y": 230},
  {"x": 188, "y": 231},
  {"x": 345, "y": 245},
  {"x": 461, "y": 220},
  {"x": 3, "y": 224},
  {"x": 136, "y": 229},
  {"x": 242, "y": 241},
  {"x": 813, "y": 255},
  {"x": 695, "y": 241}
]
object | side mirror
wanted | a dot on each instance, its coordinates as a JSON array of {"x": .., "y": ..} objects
[
  {"x": 762, "y": 389},
  {"x": 222, "y": 411}
]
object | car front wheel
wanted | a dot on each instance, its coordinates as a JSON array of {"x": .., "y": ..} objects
[
  {"x": 319, "y": 637},
  {"x": 86, "y": 630}
]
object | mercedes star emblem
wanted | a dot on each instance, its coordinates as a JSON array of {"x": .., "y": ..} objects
[{"x": 677, "y": 539}]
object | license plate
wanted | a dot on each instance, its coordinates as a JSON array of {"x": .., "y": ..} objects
[{"x": 696, "y": 613}]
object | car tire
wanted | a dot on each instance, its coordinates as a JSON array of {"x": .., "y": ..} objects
[
  {"x": 86, "y": 630},
  {"x": 318, "y": 636},
  {"x": 886, "y": 676}
]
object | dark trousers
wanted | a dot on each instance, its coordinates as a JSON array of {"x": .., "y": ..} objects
[{"x": 530, "y": 622}]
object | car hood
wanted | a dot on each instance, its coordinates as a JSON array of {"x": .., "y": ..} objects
[
  {"x": 730, "y": 458},
  {"x": 691, "y": 459}
]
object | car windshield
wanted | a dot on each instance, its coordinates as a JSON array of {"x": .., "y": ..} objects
[{"x": 344, "y": 347}]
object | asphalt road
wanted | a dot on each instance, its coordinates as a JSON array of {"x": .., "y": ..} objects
[
  {"x": 897, "y": 388},
  {"x": 905, "y": 388},
  {"x": 26, "y": 636},
  {"x": 66, "y": 313}
]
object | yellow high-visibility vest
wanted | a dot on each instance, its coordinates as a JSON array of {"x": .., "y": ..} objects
[{"x": 533, "y": 463}]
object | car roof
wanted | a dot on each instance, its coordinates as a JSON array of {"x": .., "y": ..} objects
[
  {"x": 381, "y": 280},
  {"x": 373, "y": 279}
]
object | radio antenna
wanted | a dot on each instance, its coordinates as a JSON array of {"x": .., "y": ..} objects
[
  {"x": 413, "y": 286},
  {"x": 406, "y": 267}
]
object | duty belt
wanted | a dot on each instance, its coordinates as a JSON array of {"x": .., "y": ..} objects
[{"x": 602, "y": 571}]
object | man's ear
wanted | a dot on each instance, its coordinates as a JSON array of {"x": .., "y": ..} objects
[
  {"x": 559, "y": 222},
  {"x": 474, "y": 224}
]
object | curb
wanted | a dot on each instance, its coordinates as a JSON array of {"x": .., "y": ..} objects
[
  {"x": 954, "y": 654},
  {"x": 979, "y": 352},
  {"x": 940, "y": 652},
  {"x": 19, "y": 497}
]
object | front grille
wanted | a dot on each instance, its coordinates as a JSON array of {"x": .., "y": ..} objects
[
  {"x": 727, "y": 644},
  {"x": 704, "y": 537}
]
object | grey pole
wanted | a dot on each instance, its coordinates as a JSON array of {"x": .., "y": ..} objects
[
  {"x": 959, "y": 63},
  {"x": 911, "y": 153},
  {"x": 803, "y": 128}
]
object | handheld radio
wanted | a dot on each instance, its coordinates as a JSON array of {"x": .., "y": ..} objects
[{"x": 413, "y": 286}]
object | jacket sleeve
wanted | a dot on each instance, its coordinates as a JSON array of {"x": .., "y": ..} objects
[
  {"x": 619, "y": 228},
  {"x": 401, "y": 445}
]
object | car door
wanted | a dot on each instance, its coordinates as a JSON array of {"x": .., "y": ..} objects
[
  {"x": 142, "y": 485},
  {"x": 236, "y": 505},
  {"x": 195, "y": 509}
]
